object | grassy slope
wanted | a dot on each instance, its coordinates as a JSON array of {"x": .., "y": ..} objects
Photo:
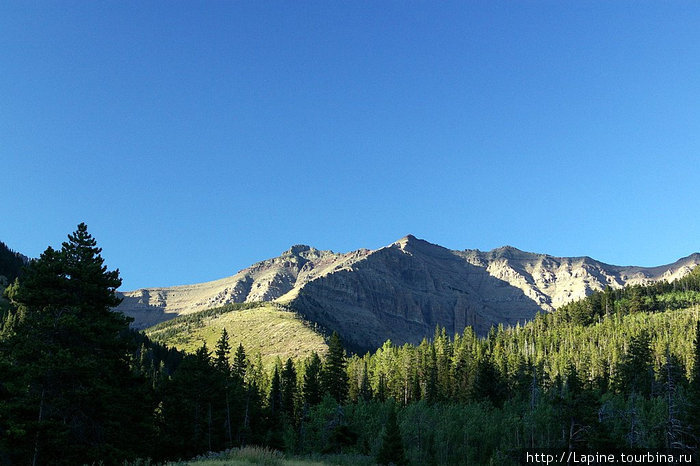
[{"x": 267, "y": 328}]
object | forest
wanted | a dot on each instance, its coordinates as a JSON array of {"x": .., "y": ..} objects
[
  {"x": 11, "y": 264},
  {"x": 616, "y": 371}
]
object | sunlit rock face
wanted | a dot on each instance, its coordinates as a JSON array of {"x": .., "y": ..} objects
[{"x": 404, "y": 290}]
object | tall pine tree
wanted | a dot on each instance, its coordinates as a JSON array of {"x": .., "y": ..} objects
[
  {"x": 70, "y": 381},
  {"x": 289, "y": 388},
  {"x": 312, "y": 381},
  {"x": 392, "y": 451},
  {"x": 334, "y": 377}
]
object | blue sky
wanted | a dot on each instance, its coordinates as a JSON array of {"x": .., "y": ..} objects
[{"x": 197, "y": 138}]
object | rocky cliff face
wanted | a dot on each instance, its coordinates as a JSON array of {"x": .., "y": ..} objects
[
  {"x": 264, "y": 281},
  {"x": 402, "y": 291}
]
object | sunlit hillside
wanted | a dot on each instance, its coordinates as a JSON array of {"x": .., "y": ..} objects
[{"x": 268, "y": 328}]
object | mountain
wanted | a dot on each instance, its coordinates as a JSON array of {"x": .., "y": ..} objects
[
  {"x": 268, "y": 280},
  {"x": 11, "y": 264},
  {"x": 404, "y": 290},
  {"x": 267, "y": 328}
]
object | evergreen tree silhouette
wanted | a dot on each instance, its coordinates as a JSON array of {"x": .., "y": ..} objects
[{"x": 392, "y": 451}]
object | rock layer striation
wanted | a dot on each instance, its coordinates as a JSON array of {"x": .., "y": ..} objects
[{"x": 404, "y": 290}]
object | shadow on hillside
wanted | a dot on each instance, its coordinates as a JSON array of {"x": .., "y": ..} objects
[
  {"x": 146, "y": 315},
  {"x": 403, "y": 294}
]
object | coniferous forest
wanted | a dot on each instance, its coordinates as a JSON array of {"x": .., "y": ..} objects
[{"x": 618, "y": 370}]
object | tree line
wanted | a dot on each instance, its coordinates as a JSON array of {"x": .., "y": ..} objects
[{"x": 77, "y": 386}]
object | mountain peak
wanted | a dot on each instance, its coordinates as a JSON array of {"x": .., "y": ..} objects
[
  {"x": 407, "y": 239},
  {"x": 507, "y": 248},
  {"x": 297, "y": 249},
  {"x": 412, "y": 245},
  {"x": 403, "y": 290},
  {"x": 508, "y": 251},
  {"x": 410, "y": 240}
]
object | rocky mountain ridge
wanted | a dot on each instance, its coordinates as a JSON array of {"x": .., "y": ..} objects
[{"x": 403, "y": 290}]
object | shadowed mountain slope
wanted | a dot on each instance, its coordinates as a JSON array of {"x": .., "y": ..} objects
[
  {"x": 402, "y": 291},
  {"x": 11, "y": 264}
]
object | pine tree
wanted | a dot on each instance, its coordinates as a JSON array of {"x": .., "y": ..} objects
[
  {"x": 443, "y": 349},
  {"x": 312, "y": 381},
  {"x": 381, "y": 388},
  {"x": 221, "y": 362},
  {"x": 488, "y": 383},
  {"x": 254, "y": 428},
  {"x": 577, "y": 407},
  {"x": 240, "y": 364},
  {"x": 431, "y": 382},
  {"x": 694, "y": 391},
  {"x": 274, "y": 410},
  {"x": 71, "y": 382},
  {"x": 189, "y": 402},
  {"x": 274, "y": 402},
  {"x": 635, "y": 373},
  {"x": 675, "y": 431},
  {"x": 334, "y": 377},
  {"x": 416, "y": 394},
  {"x": 365, "y": 387},
  {"x": 222, "y": 353},
  {"x": 289, "y": 388},
  {"x": 392, "y": 451}
]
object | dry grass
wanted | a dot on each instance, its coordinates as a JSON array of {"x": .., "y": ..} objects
[
  {"x": 264, "y": 456},
  {"x": 268, "y": 329}
]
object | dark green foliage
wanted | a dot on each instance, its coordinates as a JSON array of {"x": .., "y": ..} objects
[
  {"x": 228, "y": 380},
  {"x": 392, "y": 451},
  {"x": 312, "y": 381},
  {"x": 11, "y": 264},
  {"x": 274, "y": 403},
  {"x": 617, "y": 369},
  {"x": 240, "y": 364},
  {"x": 488, "y": 383},
  {"x": 543, "y": 385},
  {"x": 289, "y": 388},
  {"x": 577, "y": 408},
  {"x": 273, "y": 436},
  {"x": 342, "y": 438},
  {"x": 693, "y": 412},
  {"x": 68, "y": 379},
  {"x": 678, "y": 431},
  {"x": 416, "y": 394},
  {"x": 365, "y": 392},
  {"x": 189, "y": 398},
  {"x": 381, "y": 388},
  {"x": 656, "y": 297},
  {"x": 222, "y": 353},
  {"x": 635, "y": 373},
  {"x": 334, "y": 376},
  {"x": 431, "y": 382}
]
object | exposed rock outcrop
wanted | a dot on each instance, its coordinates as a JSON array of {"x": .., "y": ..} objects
[{"x": 402, "y": 291}]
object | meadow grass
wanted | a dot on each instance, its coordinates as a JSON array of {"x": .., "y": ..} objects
[
  {"x": 246, "y": 456},
  {"x": 271, "y": 330}
]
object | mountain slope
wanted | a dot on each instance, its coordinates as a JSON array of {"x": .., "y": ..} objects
[
  {"x": 264, "y": 281},
  {"x": 11, "y": 264},
  {"x": 266, "y": 328},
  {"x": 402, "y": 291},
  {"x": 553, "y": 281}
]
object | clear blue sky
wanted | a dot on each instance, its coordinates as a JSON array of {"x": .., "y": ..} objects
[{"x": 195, "y": 138}]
